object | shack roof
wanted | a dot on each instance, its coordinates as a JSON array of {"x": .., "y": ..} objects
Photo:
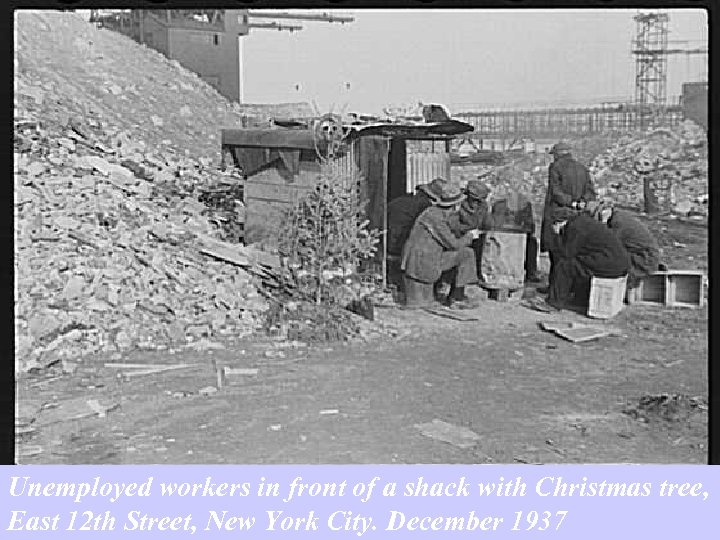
[{"x": 298, "y": 135}]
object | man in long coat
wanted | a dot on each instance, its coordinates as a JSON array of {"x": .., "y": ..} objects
[
  {"x": 474, "y": 213},
  {"x": 404, "y": 210},
  {"x": 587, "y": 248},
  {"x": 569, "y": 186},
  {"x": 636, "y": 239},
  {"x": 433, "y": 248}
]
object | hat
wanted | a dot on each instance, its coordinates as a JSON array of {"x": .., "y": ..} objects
[
  {"x": 562, "y": 214},
  {"x": 450, "y": 195},
  {"x": 476, "y": 189},
  {"x": 560, "y": 149},
  {"x": 433, "y": 189}
]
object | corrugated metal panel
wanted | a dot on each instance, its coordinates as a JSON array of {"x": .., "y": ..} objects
[{"x": 422, "y": 167}]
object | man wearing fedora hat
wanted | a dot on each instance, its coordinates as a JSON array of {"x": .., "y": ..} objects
[
  {"x": 569, "y": 186},
  {"x": 433, "y": 248},
  {"x": 404, "y": 210},
  {"x": 585, "y": 248},
  {"x": 474, "y": 213}
]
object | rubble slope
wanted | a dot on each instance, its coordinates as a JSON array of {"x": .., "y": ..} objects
[{"x": 113, "y": 144}]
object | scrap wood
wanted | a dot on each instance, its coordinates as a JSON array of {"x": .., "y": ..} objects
[
  {"x": 225, "y": 253},
  {"x": 152, "y": 371},
  {"x": 240, "y": 371},
  {"x": 28, "y": 450},
  {"x": 449, "y": 433},
  {"x": 75, "y": 409},
  {"x": 578, "y": 332},
  {"x": 455, "y": 314},
  {"x": 149, "y": 366}
]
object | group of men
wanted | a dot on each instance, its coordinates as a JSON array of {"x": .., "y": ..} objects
[
  {"x": 585, "y": 237},
  {"x": 435, "y": 233}
]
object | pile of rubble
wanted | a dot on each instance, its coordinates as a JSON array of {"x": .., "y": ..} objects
[
  {"x": 666, "y": 407},
  {"x": 676, "y": 159},
  {"x": 113, "y": 249}
]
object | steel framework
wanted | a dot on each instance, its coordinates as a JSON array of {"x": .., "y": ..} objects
[{"x": 650, "y": 49}]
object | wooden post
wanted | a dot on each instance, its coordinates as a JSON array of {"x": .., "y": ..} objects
[{"x": 650, "y": 200}]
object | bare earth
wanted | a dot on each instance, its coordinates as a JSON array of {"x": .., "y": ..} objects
[{"x": 530, "y": 396}]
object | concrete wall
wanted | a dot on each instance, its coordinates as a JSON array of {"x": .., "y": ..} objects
[{"x": 212, "y": 55}]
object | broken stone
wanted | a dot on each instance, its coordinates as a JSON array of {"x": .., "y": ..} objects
[{"x": 449, "y": 433}]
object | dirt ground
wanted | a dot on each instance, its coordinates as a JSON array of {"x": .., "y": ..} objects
[{"x": 530, "y": 396}]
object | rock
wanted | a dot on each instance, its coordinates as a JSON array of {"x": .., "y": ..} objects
[
  {"x": 101, "y": 181},
  {"x": 35, "y": 168},
  {"x": 73, "y": 288}
]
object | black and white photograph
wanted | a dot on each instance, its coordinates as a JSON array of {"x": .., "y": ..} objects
[{"x": 361, "y": 236}]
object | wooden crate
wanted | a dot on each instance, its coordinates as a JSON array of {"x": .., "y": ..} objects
[
  {"x": 606, "y": 297},
  {"x": 672, "y": 288}
]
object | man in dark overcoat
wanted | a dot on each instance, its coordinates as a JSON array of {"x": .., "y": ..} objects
[
  {"x": 586, "y": 248},
  {"x": 404, "y": 210},
  {"x": 569, "y": 186},
  {"x": 433, "y": 248},
  {"x": 636, "y": 239}
]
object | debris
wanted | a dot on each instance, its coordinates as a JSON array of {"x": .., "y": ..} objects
[
  {"x": 676, "y": 160},
  {"x": 204, "y": 345},
  {"x": 153, "y": 371},
  {"x": 275, "y": 427},
  {"x": 329, "y": 411},
  {"x": 24, "y": 432},
  {"x": 666, "y": 407},
  {"x": 23, "y": 451},
  {"x": 577, "y": 332},
  {"x": 74, "y": 409},
  {"x": 114, "y": 365},
  {"x": 240, "y": 371},
  {"x": 207, "y": 391},
  {"x": 455, "y": 314},
  {"x": 521, "y": 460},
  {"x": 442, "y": 431},
  {"x": 110, "y": 222}
]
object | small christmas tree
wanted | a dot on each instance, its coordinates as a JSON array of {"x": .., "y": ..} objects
[{"x": 326, "y": 236}]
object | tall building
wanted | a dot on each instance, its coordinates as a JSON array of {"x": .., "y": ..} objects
[{"x": 203, "y": 41}]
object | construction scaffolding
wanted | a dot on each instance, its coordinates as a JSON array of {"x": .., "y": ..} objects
[
  {"x": 650, "y": 50},
  {"x": 561, "y": 122}
]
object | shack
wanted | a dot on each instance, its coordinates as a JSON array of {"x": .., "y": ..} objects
[{"x": 281, "y": 163}]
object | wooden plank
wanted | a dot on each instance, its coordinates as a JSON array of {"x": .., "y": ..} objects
[
  {"x": 263, "y": 220},
  {"x": 455, "y": 314},
  {"x": 287, "y": 193},
  {"x": 578, "y": 333},
  {"x": 269, "y": 138}
]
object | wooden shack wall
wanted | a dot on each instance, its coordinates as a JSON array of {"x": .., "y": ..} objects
[{"x": 268, "y": 195}]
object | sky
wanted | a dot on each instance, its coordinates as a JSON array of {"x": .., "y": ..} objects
[{"x": 460, "y": 57}]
